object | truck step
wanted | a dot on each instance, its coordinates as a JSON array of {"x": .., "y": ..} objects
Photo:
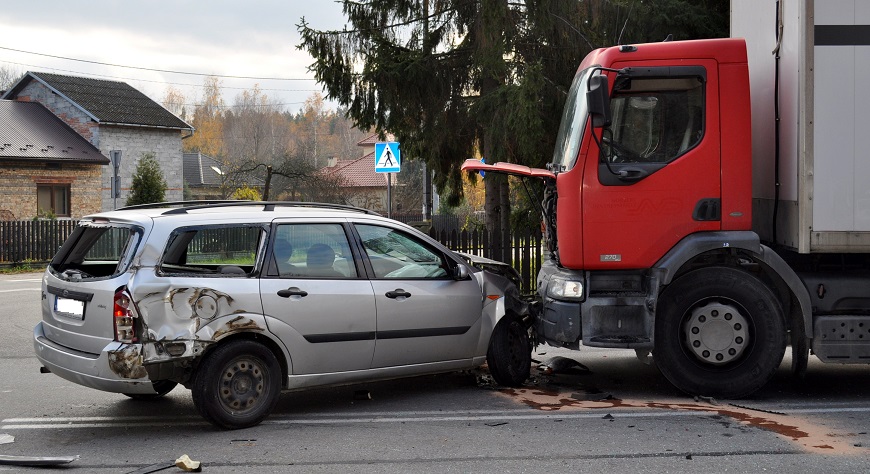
[{"x": 842, "y": 339}]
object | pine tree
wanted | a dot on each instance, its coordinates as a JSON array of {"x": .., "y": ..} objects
[
  {"x": 148, "y": 182},
  {"x": 448, "y": 77}
]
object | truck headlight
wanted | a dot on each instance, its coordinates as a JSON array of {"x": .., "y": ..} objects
[{"x": 559, "y": 289}]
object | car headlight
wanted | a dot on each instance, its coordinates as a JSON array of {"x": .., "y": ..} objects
[{"x": 565, "y": 289}]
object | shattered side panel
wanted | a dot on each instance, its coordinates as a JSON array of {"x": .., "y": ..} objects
[{"x": 181, "y": 316}]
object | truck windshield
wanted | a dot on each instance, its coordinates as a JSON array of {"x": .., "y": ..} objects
[{"x": 573, "y": 123}]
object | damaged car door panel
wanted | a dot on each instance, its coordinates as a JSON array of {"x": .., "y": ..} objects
[{"x": 237, "y": 301}]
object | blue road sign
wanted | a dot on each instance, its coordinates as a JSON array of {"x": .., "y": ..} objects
[{"x": 388, "y": 159}]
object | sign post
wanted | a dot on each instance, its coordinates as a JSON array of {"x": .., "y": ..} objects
[
  {"x": 115, "y": 156},
  {"x": 388, "y": 159}
]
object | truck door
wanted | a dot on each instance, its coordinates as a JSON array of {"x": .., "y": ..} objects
[{"x": 657, "y": 177}]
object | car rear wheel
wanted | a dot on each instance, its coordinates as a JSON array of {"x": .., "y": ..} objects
[
  {"x": 509, "y": 356},
  {"x": 237, "y": 385},
  {"x": 162, "y": 387}
]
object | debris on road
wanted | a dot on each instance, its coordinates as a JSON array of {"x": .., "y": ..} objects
[
  {"x": 153, "y": 468},
  {"x": 563, "y": 365},
  {"x": 362, "y": 395},
  {"x": 187, "y": 464},
  {"x": 35, "y": 460}
]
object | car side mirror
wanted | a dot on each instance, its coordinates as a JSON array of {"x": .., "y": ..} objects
[
  {"x": 598, "y": 101},
  {"x": 460, "y": 272}
]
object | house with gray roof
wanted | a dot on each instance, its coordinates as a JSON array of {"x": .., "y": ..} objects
[
  {"x": 46, "y": 168},
  {"x": 119, "y": 121}
]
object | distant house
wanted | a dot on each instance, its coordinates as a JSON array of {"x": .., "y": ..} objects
[
  {"x": 361, "y": 185},
  {"x": 46, "y": 168},
  {"x": 203, "y": 177},
  {"x": 206, "y": 178},
  {"x": 112, "y": 116}
]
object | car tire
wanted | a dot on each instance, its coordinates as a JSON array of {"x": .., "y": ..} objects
[
  {"x": 162, "y": 387},
  {"x": 509, "y": 356},
  {"x": 720, "y": 332},
  {"x": 237, "y": 384}
]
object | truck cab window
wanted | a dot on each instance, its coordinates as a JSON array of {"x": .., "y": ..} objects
[{"x": 655, "y": 120}]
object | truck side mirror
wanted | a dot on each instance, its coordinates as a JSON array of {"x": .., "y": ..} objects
[{"x": 598, "y": 100}]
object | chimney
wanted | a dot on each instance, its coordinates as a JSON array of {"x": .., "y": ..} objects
[{"x": 331, "y": 161}]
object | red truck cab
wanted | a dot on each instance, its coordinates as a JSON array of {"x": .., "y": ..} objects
[{"x": 648, "y": 212}]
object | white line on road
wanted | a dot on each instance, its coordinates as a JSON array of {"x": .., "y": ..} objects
[
  {"x": 323, "y": 419},
  {"x": 25, "y": 279},
  {"x": 20, "y": 289}
]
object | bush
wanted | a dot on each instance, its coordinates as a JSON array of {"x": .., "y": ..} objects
[{"x": 148, "y": 183}]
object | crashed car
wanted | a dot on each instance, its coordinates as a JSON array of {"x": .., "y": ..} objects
[{"x": 239, "y": 300}]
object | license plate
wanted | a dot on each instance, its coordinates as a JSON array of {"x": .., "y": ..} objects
[{"x": 68, "y": 308}]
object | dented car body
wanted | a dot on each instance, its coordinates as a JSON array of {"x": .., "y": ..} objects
[{"x": 238, "y": 301}]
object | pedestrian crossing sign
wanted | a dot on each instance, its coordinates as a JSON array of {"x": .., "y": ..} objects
[{"x": 388, "y": 159}]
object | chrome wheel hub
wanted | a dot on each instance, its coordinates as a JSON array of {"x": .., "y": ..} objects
[{"x": 716, "y": 333}]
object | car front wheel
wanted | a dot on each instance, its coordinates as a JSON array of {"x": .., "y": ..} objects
[{"x": 509, "y": 356}]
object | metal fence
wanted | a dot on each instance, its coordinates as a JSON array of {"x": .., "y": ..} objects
[
  {"x": 526, "y": 253},
  {"x": 32, "y": 241},
  {"x": 37, "y": 241}
]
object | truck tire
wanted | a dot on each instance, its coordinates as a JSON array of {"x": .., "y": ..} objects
[
  {"x": 509, "y": 355},
  {"x": 237, "y": 385},
  {"x": 719, "y": 332}
]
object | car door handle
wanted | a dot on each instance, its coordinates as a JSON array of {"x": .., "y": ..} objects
[
  {"x": 292, "y": 291},
  {"x": 397, "y": 293}
]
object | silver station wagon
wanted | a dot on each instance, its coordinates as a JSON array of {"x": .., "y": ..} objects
[{"x": 239, "y": 300}]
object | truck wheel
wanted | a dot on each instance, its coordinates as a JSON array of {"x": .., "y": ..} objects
[
  {"x": 162, "y": 387},
  {"x": 509, "y": 356},
  {"x": 719, "y": 332},
  {"x": 237, "y": 385}
]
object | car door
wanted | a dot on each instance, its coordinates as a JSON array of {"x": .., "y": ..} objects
[
  {"x": 424, "y": 314},
  {"x": 319, "y": 300}
]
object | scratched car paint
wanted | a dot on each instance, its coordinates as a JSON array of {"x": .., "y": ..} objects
[{"x": 238, "y": 301}]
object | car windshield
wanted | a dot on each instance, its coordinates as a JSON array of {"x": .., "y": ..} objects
[{"x": 573, "y": 123}]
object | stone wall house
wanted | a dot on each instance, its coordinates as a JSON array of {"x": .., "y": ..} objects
[
  {"x": 46, "y": 168},
  {"x": 113, "y": 117}
]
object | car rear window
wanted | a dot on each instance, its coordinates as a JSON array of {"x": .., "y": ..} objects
[
  {"x": 96, "y": 251},
  {"x": 224, "y": 250}
]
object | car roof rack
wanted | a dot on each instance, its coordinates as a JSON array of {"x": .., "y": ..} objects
[
  {"x": 158, "y": 205},
  {"x": 267, "y": 206}
]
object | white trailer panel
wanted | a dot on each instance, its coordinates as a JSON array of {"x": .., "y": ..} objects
[{"x": 824, "y": 156}]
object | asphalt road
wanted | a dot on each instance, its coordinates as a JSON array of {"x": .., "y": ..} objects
[{"x": 611, "y": 413}]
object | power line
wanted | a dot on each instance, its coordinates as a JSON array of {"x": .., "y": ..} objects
[
  {"x": 148, "y": 80},
  {"x": 157, "y": 70}
]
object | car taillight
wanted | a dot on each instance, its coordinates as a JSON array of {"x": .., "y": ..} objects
[{"x": 124, "y": 314}]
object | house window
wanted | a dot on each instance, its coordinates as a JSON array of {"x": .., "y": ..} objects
[{"x": 52, "y": 199}]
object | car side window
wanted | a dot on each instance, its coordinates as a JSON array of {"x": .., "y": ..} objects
[
  {"x": 655, "y": 120},
  {"x": 224, "y": 250},
  {"x": 312, "y": 251},
  {"x": 396, "y": 254}
]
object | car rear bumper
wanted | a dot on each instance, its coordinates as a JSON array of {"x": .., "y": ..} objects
[{"x": 90, "y": 370}]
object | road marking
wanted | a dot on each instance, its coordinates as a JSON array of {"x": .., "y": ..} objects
[
  {"x": 367, "y": 418},
  {"x": 20, "y": 289},
  {"x": 28, "y": 279}
]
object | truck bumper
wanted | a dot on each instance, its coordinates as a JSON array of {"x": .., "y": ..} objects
[{"x": 559, "y": 321}]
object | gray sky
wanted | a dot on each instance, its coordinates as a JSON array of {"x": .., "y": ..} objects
[{"x": 255, "y": 38}]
